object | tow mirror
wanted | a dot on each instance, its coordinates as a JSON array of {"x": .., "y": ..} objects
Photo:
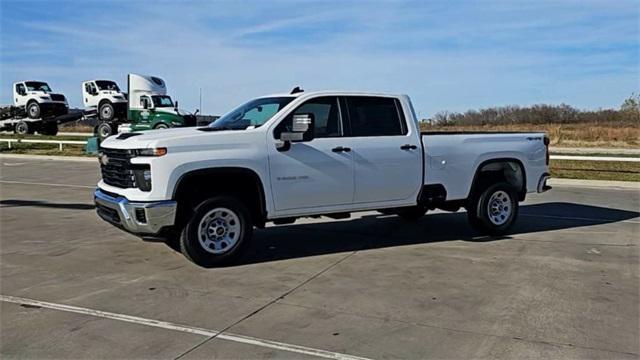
[
  {"x": 176, "y": 104},
  {"x": 145, "y": 104},
  {"x": 302, "y": 126}
]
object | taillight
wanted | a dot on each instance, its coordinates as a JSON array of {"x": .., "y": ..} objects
[{"x": 546, "y": 145}]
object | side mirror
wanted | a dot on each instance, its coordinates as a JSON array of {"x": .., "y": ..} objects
[
  {"x": 176, "y": 104},
  {"x": 145, "y": 104},
  {"x": 301, "y": 130}
]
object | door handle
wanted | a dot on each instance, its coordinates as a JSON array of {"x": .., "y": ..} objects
[
  {"x": 340, "y": 149},
  {"x": 408, "y": 147}
]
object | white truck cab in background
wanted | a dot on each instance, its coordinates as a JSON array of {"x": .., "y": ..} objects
[
  {"x": 280, "y": 157},
  {"x": 105, "y": 98},
  {"x": 38, "y": 100}
]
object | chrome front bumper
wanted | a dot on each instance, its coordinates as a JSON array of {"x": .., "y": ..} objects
[{"x": 143, "y": 218}]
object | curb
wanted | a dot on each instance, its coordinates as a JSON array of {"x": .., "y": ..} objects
[
  {"x": 49, "y": 157},
  {"x": 595, "y": 183}
]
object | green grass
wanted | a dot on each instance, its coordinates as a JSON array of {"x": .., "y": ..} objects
[
  {"x": 43, "y": 149},
  {"x": 596, "y": 170},
  {"x": 44, "y": 137}
]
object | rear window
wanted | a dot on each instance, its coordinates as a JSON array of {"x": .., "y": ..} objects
[{"x": 374, "y": 116}]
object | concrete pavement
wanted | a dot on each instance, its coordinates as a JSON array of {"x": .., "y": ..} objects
[{"x": 564, "y": 284}]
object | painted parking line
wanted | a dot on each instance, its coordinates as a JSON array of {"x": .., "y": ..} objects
[{"x": 182, "y": 328}]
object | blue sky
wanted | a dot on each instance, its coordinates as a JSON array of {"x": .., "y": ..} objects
[{"x": 447, "y": 55}]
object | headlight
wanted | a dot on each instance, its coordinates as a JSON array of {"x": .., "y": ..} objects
[
  {"x": 118, "y": 97},
  {"x": 45, "y": 98},
  {"x": 150, "y": 152}
]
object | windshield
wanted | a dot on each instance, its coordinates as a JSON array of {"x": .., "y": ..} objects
[
  {"x": 253, "y": 113},
  {"x": 37, "y": 86},
  {"x": 162, "y": 101},
  {"x": 107, "y": 85}
]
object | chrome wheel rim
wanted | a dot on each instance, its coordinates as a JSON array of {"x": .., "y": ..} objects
[
  {"x": 219, "y": 230},
  {"x": 33, "y": 110},
  {"x": 499, "y": 208}
]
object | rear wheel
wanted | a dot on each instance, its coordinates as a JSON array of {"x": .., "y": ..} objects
[
  {"x": 217, "y": 233},
  {"x": 161, "y": 126},
  {"x": 23, "y": 128},
  {"x": 104, "y": 130},
  {"x": 33, "y": 110},
  {"x": 494, "y": 210}
]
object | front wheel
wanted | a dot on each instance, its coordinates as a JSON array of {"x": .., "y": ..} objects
[
  {"x": 494, "y": 210},
  {"x": 217, "y": 233},
  {"x": 106, "y": 111},
  {"x": 33, "y": 110},
  {"x": 161, "y": 126}
]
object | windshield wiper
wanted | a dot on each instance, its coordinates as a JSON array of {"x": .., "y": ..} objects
[{"x": 217, "y": 128}]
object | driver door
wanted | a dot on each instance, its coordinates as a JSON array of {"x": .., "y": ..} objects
[{"x": 313, "y": 174}]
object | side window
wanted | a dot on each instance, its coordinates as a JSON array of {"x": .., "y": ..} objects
[
  {"x": 20, "y": 89},
  {"x": 87, "y": 88},
  {"x": 375, "y": 116},
  {"x": 326, "y": 113},
  {"x": 145, "y": 100}
]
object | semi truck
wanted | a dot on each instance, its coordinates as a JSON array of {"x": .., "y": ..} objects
[
  {"x": 148, "y": 106},
  {"x": 282, "y": 157}
]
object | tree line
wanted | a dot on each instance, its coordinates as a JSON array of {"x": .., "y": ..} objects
[{"x": 627, "y": 114}]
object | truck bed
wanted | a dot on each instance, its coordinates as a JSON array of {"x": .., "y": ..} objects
[{"x": 452, "y": 158}]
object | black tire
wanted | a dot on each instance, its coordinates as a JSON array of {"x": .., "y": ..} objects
[
  {"x": 33, "y": 110},
  {"x": 193, "y": 242},
  {"x": 412, "y": 214},
  {"x": 106, "y": 112},
  {"x": 23, "y": 128},
  {"x": 50, "y": 128},
  {"x": 104, "y": 130},
  {"x": 493, "y": 211},
  {"x": 161, "y": 126}
]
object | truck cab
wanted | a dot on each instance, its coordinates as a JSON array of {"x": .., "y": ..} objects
[
  {"x": 105, "y": 98},
  {"x": 38, "y": 100},
  {"x": 151, "y": 108}
]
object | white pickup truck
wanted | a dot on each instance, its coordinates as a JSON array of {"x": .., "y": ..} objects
[{"x": 277, "y": 158}]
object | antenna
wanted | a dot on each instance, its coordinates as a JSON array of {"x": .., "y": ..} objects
[
  {"x": 200, "y": 107},
  {"x": 296, "y": 90}
]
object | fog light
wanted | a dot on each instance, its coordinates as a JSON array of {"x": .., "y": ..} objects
[{"x": 141, "y": 216}]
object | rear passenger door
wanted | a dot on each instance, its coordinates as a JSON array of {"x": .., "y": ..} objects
[{"x": 387, "y": 156}]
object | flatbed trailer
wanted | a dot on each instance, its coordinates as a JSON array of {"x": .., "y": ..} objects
[{"x": 15, "y": 119}]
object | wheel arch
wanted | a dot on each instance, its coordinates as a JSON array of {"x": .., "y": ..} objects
[
  {"x": 237, "y": 181},
  {"x": 510, "y": 169}
]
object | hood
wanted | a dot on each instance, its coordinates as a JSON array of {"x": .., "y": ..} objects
[
  {"x": 170, "y": 110},
  {"x": 154, "y": 138}
]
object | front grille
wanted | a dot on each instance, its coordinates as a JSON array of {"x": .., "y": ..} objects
[
  {"x": 117, "y": 171},
  {"x": 57, "y": 97}
]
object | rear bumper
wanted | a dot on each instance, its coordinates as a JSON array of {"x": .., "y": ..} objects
[
  {"x": 140, "y": 218},
  {"x": 542, "y": 183}
]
